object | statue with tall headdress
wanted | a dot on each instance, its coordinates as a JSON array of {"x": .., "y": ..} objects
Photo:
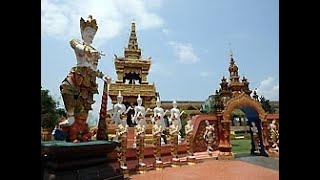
[
  {"x": 139, "y": 116},
  {"x": 118, "y": 109},
  {"x": 78, "y": 88},
  {"x": 158, "y": 111}
]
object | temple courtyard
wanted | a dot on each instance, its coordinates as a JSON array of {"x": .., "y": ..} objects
[{"x": 246, "y": 168}]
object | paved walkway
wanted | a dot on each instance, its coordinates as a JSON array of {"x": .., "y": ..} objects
[
  {"x": 213, "y": 169},
  {"x": 268, "y": 162}
]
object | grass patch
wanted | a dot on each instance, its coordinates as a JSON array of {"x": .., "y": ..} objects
[{"x": 241, "y": 146}]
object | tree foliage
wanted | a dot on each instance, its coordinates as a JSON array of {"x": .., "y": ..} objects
[
  {"x": 208, "y": 106},
  {"x": 265, "y": 103},
  {"x": 49, "y": 111}
]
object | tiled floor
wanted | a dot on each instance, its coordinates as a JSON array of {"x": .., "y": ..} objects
[{"x": 211, "y": 170}]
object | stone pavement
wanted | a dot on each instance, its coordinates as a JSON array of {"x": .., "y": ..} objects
[
  {"x": 235, "y": 169},
  {"x": 268, "y": 162}
]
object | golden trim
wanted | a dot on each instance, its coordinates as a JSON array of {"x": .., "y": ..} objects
[{"x": 242, "y": 100}]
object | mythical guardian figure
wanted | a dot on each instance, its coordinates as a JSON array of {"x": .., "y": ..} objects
[{"x": 78, "y": 88}]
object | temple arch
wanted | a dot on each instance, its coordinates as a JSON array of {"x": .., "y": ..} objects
[
  {"x": 240, "y": 101},
  {"x": 249, "y": 106}
]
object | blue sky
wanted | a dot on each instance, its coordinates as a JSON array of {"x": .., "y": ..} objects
[{"x": 189, "y": 42}]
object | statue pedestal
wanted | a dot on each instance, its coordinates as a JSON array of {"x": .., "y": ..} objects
[
  {"x": 158, "y": 165},
  {"x": 125, "y": 171},
  {"x": 225, "y": 152},
  {"x": 225, "y": 156},
  {"x": 148, "y": 139},
  {"x": 191, "y": 160},
  {"x": 73, "y": 161},
  {"x": 273, "y": 153},
  {"x": 142, "y": 168},
  {"x": 175, "y": 162}
]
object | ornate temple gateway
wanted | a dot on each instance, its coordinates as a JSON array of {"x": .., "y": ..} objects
[
  {"x": 132, "y": 75},
  {"x": 232, "y": 95}
]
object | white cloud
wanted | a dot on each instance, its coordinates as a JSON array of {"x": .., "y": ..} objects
[
  {"x": 60, "y": 19},
  {"x": 185, "y": 52},
  {"x": 269, "y": 88}
]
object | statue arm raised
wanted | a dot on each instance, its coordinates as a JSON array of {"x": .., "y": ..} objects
[
  {"x": 82, "y": 48},
  {"x": 128, "y": 109}
]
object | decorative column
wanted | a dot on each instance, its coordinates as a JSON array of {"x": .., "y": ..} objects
[
  {"x": 174, "y": 145},
  {"x": 191, "y": 159},
  {"x": 102, "y": 126},
  {"x": 157, "y": 151},
  {"x": 156, "y": 132},
  {"x": 273, "y": 139},
  {"x": 139, "y": 134},
  {"x": 122, "y": 153},
  {"x": 265, "y": 134},
  {"x": 224, "y": 144}
]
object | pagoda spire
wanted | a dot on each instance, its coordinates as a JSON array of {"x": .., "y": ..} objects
[
  {"x": 133, "y": 51},
  {"x": 233, "y": 69}
]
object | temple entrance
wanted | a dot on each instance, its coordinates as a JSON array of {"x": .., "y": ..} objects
[
  {"x": 245, "y": 133},
  {"x": 255, "y": 117}
]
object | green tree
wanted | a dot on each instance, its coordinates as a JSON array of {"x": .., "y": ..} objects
[
  {"x": 49, "y": 111},
  {"x": 208, "y": 106},
  {"x": 265, "y": 103},
  {"x": 184, "y": 121}
]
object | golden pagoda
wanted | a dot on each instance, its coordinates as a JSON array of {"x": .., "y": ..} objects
[{"x": 132, "y": 72}]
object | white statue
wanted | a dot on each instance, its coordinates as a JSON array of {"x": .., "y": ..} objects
[
  {"x": 174, "y": 119},
  {"x": 139, "y": 116},
  {"x": 189, "y": 136},
  {"x": 189, "y": 127},
  {"x": 81, "y": 80},
  {"x": 118, "y": 109},
  {"x": 175, "y": 115},
  {"x": 159, "y": 113}
]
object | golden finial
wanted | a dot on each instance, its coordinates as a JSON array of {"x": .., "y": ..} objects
[{"x": 89, "y": 23}]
